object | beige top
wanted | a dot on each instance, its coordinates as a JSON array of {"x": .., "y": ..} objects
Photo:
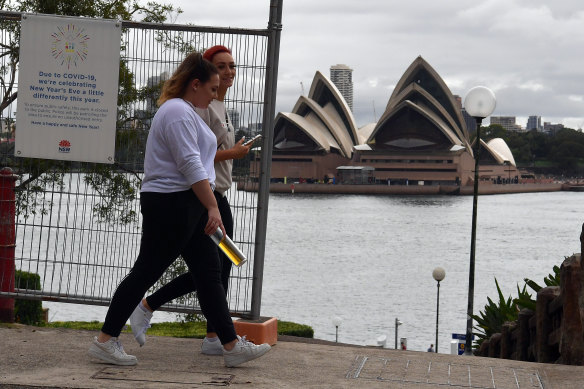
[{"x": 216, "y": 118}]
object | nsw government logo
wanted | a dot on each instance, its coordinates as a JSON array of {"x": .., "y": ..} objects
[{"x": 64, "y": 146}]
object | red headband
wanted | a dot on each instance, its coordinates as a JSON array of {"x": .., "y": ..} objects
[{"x": 210, "y": 52}]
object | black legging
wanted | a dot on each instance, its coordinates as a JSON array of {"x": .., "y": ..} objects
[
  {"x": 183, "y": 284},
  {"x": 173, "y": 224}
]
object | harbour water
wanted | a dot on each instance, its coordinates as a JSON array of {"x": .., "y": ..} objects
[{"x": 369, "y": 260}]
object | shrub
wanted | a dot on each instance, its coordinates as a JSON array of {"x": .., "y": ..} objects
[
  {"x": 28, "y": 311},
  {"x": 294, "y": 329},
  {"x": 490, "y": 320},
  {"x": 525, "y": 300}
]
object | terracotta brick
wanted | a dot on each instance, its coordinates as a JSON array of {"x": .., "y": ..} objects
[{"x": 264, "y": 330}]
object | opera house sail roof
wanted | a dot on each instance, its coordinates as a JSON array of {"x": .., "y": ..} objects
[
  {"x": 321, "y": 121},
  {"x": 498, "y": 152},
  {"x": 420, "y": 137},
  {"x": 421, "y": 114}
]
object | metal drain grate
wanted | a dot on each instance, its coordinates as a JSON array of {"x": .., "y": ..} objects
[
  {"x": 154, "y": 376},
  {"x": 445, "y": 374}
]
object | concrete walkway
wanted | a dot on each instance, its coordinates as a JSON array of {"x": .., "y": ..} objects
[{"x": 36, "y": 357}]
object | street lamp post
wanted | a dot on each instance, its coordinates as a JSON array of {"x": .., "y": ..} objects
[
  {"x": 438, "y": 275},
  {"x": 337, "y": 322},
  {"x": 479, "y": 103},
  {"x": 397, "y": 323}
]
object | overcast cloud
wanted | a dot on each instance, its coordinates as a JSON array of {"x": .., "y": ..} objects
[{"x": 529, "y": 52}]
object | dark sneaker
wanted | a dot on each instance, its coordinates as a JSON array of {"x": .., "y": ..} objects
[
  {"x": 211, "y": 348},
  {"x": 244, "y": 351},
  {"x": 140, "y": 322},
  {"x": 111, "y": 352}
]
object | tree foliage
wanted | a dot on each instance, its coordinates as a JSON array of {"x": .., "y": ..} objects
[
  {"x": 490, "y": 320},
  {"x": 564, "y": 150},
  {"x": 525, "y": 300},
  {"x": 112, "y": 182}
]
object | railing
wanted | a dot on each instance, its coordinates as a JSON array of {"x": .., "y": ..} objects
[{"x": 61, "y": 230}]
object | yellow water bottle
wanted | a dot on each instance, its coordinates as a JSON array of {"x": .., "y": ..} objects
[{"x": 229, "y": 248}]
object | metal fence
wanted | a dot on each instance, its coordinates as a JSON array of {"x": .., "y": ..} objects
[{"x": 77, "y": 225}]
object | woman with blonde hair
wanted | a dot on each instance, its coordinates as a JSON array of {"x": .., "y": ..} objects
[{"x": 179, "y": 211}]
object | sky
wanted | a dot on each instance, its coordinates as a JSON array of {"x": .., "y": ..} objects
[{"x": 529, "y": 52}]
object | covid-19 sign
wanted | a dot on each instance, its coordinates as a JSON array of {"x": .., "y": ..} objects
[{"x": 67, "y": 88}]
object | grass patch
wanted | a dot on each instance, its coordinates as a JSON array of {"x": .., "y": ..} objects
[
  {"x": 182, "y": 330},
  {"x": 174, "y": 329},
  {"x": 295, "y": 329},
  {"x": 75, "y": 325},
  {"x": 544, "y": 163}
]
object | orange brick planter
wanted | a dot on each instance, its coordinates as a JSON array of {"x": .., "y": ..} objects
[{"x": 263, "y": 330}]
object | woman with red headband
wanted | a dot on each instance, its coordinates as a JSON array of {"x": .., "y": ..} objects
[{"x": 227, "y": 150}]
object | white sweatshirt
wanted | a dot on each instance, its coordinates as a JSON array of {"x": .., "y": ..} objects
[{"x": 179, "y": 151}]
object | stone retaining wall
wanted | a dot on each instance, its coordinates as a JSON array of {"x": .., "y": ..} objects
[{"x": 554, "y": 333}]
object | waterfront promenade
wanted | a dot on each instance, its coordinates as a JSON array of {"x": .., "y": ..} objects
[
  {"x": 37, "y": 357},
  {"x": 407, "y": 190}
]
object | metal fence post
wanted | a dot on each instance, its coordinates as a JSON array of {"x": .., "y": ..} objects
[
  {"x": 275, "y": 28},
  {"x": 7, "y": 242}
]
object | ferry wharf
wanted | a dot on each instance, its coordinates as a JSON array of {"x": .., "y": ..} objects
[{"x": 39, "y": 357}]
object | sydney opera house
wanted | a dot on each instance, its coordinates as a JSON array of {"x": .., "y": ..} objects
[{"x": 420, "y": 139}]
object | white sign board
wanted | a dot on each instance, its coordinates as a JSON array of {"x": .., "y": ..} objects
[{"x": 67, "y": 88}]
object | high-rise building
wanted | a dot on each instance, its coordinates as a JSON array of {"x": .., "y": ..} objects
[
  {"x": 534, "y": 122},
  {"x": 255, "y": 128},
  {"x": 471, "y": 123},
  {"x": 153, "y": 87},
  {"x": 458, "y": 101},
  {"x": 507, "y": 122},
  {"x": 341, "y": 76},
  {"x": 154, "y": 84},
  {"x": 552, "y": 129},
  {"x": 234, "y": 117}
]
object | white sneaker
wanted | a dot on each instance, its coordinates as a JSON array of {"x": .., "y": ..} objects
[
  {"x": 211, "y": 348},
  {"x": 111, "y": 352},
  {"x": 244, "y": 351},
  {"x": 140, "y": 322}
]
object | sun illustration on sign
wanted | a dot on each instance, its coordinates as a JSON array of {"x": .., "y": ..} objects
[{"x": 69, "y": 45}]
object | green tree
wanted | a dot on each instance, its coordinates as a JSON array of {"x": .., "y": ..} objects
[
  {"x": 36, "y": 175},
  {"x": 567, "y": 154},
  {"x": 493, "y": 131},
  {"x": 564, "y": 150}
]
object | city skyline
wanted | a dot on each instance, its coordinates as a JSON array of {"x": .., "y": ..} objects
[{"x": 527, "y": 52}]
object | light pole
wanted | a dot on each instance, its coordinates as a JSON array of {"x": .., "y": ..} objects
[
  {"x": 438, "y": 275},
  {"x": 479, "y": 103},
  {"x": 397, "y": 323},
  {"x": 337, "y": 322}
]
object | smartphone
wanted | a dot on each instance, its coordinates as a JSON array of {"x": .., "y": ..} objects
[{"x": 249, "y": 142}]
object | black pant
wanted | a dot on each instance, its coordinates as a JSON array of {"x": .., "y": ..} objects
[
  {"x": 173, "y": 224},
  {"x": 184, "y": 283}
]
